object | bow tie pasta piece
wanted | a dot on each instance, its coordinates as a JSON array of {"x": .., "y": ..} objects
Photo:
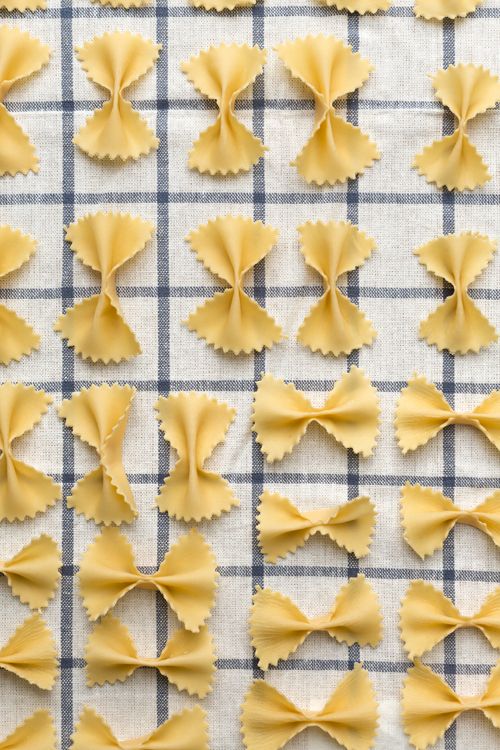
[
  {"x": 457, "y": 325},
  {"x": 187, "y": 660},
  {"x": 35, "y": 733},
  {"x": 336, "y": 150},
  {"x": 222, "y": 73},
  {"x": 278, "y": 627},
  {"x": 282, "y": 528},
  {"x": 114, "y": 61},
  {"x": 229, "y": 247},
  {"x": 350, "y": 716},
  {"x": 334, "y": 325},
  {"x": 17, "y": 337},
  {"x": 98, "y": 415},
  {"x": 453, "y": 162},
  {"x": 33, "y": 573},
  {"x": 31, "y": 653},
  {"x": 428, "y": 616},
  {"x": 430, "y": 706},
  {"x": 186, "y": 730},
  {"x": 423, "y": 411},
  {"x": 96, "y": 327},
  {"x": 439, "y": 9},
  {"x": 24, "y": 491},
  {"x": 429, "y": 516},
  {"x": 194, "y": 424},
  {"x": 21, "y": 55},
  {"x": 282, "y": 414},
  {"x": 187, "y": 577}
]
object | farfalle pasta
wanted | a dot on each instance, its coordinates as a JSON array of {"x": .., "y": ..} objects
[
  {"x": 350, "y": 716},
  {"x": 440, "y": 9},
  {"x": 33, "y": 572},
  {"x": 336, "y": 150},
  {"x": 186, "y": 730},
  {"x": 282, "y": 414},
  {"x": 95, "y": 327},
  {"x": 422, "y": 411},
  {"x": 24, "y": 491},
  {"x": 453, "y": 162},
  {"x": 21, "y": 55},
  {"x": 98, "y": 415},
  {"x": 187, "y": 577},
  {"x": 229, "y": 247},
  {"x": 428, "y": 517},
  {"x": 457, "y": 324},
  {"x": 22, "y": 6},
  {"x": 282, "y": 528},
  {"x": 114, "y": 61},
  {"x": 16, "y": 336},
  {"x": 334, "y": 324},
  {"x": 187, "y": 660},
  {"x": 427, "y": 617},
  {"x": 30, "y": 653},
  {"x": 430, "y": 705},
  {"x": 37, "y": 732},
  {"x": 278, "y": 627},
  {"x": 222, "y": 73},
  {"x": 194, "y": 424}
]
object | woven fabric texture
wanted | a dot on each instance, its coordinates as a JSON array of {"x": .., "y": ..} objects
[{"x": 159, "y": 288}]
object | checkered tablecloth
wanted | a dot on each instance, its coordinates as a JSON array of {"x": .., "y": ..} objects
[{"x": 164, "y": 283}]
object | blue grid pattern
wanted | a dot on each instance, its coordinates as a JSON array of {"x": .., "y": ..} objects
[{"x": 443, "y": 467}]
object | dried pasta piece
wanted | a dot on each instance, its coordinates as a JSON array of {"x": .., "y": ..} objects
[
  {"x": 98, "y": 415},
  {"x": 194, "y": 424},
  {"x": 114, "y": 61},
  {"x": 278, "y": 627},
  {"x": 229, "y": 247},
  {"x": 336, "y": 150},
  {"x": 95, "y": 327},
  {"x": 37, "y": 732},
  {"x": 17, "y": 337},
  {"x": 282, "y": 528},
  {"x": 428, "y": 517},
  {"x": 22, "y": 6},
  {"x": 423, "y": 411},
  {"x": 334, "y": 325},
  {"x": 350, "y": 715},
  {"x": 439, "y": 9},
  {"x": 30, "y": 653},
  {"x": 33, "y": 573},
  {"x": 430, "y": 706},
  {"x": 127, "y": 4},
  {"x": 187, "y": 660},
  {"x": 186, "y": 730},
  {"x": 457, "y": 325},
  {"x": 24, "y": 491},
  {"x": 21, "y": 55},
  {"x": 282, "y": 414},
  {"x": 187, "y": 577},
  {"x": 222, "y": 73},
  {"x": 428, "y": 616},
  {"x": 453, "y": 162}
]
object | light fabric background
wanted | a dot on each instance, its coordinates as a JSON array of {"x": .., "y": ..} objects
[{"x": 165, "y": 282}]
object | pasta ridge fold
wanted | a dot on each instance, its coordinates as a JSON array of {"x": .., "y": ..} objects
[
  {"x": 30, "y": 653},
  {"x": 37, "y": 732},
  {"x": 33, "y": 572}
]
